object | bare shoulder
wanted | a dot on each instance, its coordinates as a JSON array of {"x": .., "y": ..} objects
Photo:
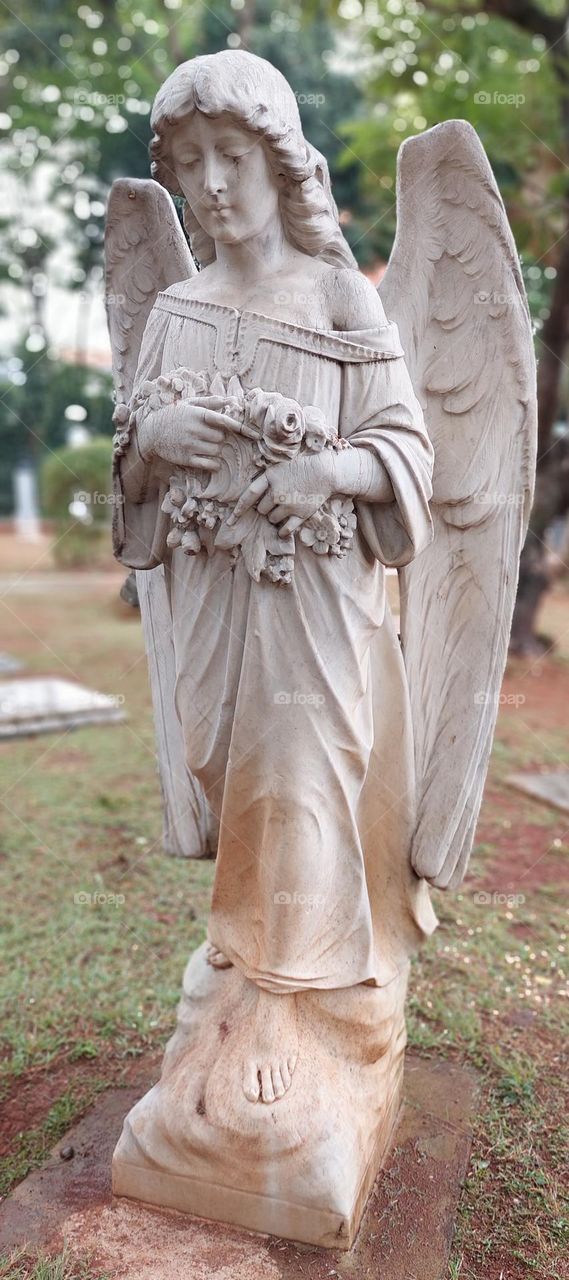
[
  {"x": 192, "y": 287},
  {"x": 353, "y": 300}
]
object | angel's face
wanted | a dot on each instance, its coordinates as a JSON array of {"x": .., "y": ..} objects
[{"x": 224, "y": 174}]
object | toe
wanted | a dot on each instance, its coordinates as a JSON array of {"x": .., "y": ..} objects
[
  {"x": 217, "y": 959},
  {"x": 279, "y": 1089},
  {"x": 267, "y": 1084},
  {"x": 251, "y": 1087},
  {"x": 291, "y": 1062},
  {"x": 285, "y": 1074}
]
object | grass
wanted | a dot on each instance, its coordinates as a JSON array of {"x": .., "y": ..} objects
[
  {"x": 89, "y": 986},
  {"x": 24, "y": 1266}
]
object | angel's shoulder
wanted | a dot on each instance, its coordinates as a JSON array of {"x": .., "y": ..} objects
[
  {"x": 354, "y": 302},
  {"x": 183, "y": 288}
]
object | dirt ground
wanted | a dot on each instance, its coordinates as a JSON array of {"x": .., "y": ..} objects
[{"x": 90, "y": 997}]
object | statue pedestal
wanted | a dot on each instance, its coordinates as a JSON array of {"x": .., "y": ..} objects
[{"x": 299, "y": 1168}]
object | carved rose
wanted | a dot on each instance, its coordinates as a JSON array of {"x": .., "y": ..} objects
[{"x": 281, "y": 423}]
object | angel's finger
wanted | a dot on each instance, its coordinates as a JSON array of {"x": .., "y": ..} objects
[
  {"x": 212, "y": 402},
  {"x": 277, "y": 514},
  {"x": 205, "y": 435},
  {"x": 215, "y": 419},
  {"x": 203, "y": 464},
  {"x": 229, "y": 424},
  {"x": 266, "y": 504},
  {"x": 207, "y": 448},
  {"x": 290, "y": 526},
  {"x": 249, "y": 498}
]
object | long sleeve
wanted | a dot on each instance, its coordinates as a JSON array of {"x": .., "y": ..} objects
[
  {"x": 380, "y": 412},
  {"x": 140, "y": 527}
]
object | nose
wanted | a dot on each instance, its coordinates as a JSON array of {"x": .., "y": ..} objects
[{"x": 215, "y": 180}]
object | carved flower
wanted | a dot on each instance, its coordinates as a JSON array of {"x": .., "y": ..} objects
[
  {"x": 330, "y": 531},
  {"x": 173, "y": 502},
  {"x": 279, "y": 569},
  {"x": 191, "y": 543},
  {"x": 317, "y": 433},
  {"x": 121, "y": 414},
  {"x": 281, "y": 422}
]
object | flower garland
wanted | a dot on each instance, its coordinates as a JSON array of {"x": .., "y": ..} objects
[{"x": 275, "y": 429}]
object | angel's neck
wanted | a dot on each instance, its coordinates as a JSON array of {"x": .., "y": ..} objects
[{"x": 260, "y": 256}]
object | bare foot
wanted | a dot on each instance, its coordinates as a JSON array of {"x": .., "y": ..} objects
[
  {"x": 273, "y": 1036},
  {"x": 216, "y": 958}
]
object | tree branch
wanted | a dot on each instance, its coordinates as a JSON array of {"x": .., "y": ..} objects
[{"x": 523, "y": 13}]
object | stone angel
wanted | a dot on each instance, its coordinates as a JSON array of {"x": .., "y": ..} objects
[{"x": 284, "y": 435}]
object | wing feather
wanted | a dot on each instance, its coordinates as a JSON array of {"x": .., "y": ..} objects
[
  {"x": 454, "y": 286},
  {"x": 145, "y": 252}
]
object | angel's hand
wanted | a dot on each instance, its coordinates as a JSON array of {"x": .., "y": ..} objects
[
  {"x": 186, "y": 434},
  {"x": 290, "y": 492}
]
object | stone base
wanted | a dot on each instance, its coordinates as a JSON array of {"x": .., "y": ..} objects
[
  {"x": 406, "y": 1230},
  {"x": 300, "y": 1168}
]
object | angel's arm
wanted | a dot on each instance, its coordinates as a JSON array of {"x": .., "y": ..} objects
[
  {"x": 392, "y": 458},
  {"x": 139, "y": 528}
]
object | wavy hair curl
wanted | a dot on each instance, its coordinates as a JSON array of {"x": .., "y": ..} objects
[{"x": 257, "y": 98}]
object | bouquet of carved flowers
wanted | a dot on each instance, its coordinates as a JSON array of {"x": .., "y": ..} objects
[{"x": 273, "y": 429}]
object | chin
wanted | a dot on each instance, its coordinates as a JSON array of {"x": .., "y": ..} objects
[{"x": 230, "y": 235}]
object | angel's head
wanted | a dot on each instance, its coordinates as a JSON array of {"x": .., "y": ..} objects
[{"x": 228, "y": 137}]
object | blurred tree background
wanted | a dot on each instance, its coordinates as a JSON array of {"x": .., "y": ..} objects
[{"x": 76, "y": 85}]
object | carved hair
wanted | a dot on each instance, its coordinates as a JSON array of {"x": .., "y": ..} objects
[{"x": 258, "y": 98}]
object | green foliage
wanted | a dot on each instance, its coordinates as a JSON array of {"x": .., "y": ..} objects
[
  {"x": 80, "y": 475},
  {"x": 34, "y": 394},
  {"x": 428, "y": 63},
  {"x": 69, "y": 471}
]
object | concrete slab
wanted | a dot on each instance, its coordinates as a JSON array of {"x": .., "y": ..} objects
[
  {"x": 406, "y": 1231},
  {"x": 9, "y": 665},
  {"x": 44, "y": 705},
  {"x": 551, "y": 788}
]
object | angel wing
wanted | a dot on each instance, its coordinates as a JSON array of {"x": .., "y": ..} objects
[
  {"x": 145, "y": 252},
  {"x": 454, "y": 286}
]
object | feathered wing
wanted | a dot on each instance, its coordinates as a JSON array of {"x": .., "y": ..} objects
[
  {"x": 454, "y": 286},
  {"x": 145, "y": 252}
]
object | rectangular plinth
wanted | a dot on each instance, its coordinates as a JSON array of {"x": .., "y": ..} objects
[{"x": 263, "y": 1213}]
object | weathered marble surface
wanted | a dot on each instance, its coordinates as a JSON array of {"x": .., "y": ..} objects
[
  {"x": 41, "y": 704},
  {"x": 284, "y": 436}
]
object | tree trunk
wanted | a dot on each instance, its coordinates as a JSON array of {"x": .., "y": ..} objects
[{"x": 552, "y": 490}]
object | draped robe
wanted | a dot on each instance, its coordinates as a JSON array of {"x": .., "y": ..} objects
[{"x": 293, "y": 699}]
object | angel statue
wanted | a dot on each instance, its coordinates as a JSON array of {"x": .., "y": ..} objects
[{"x": 279, "y": 443}]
